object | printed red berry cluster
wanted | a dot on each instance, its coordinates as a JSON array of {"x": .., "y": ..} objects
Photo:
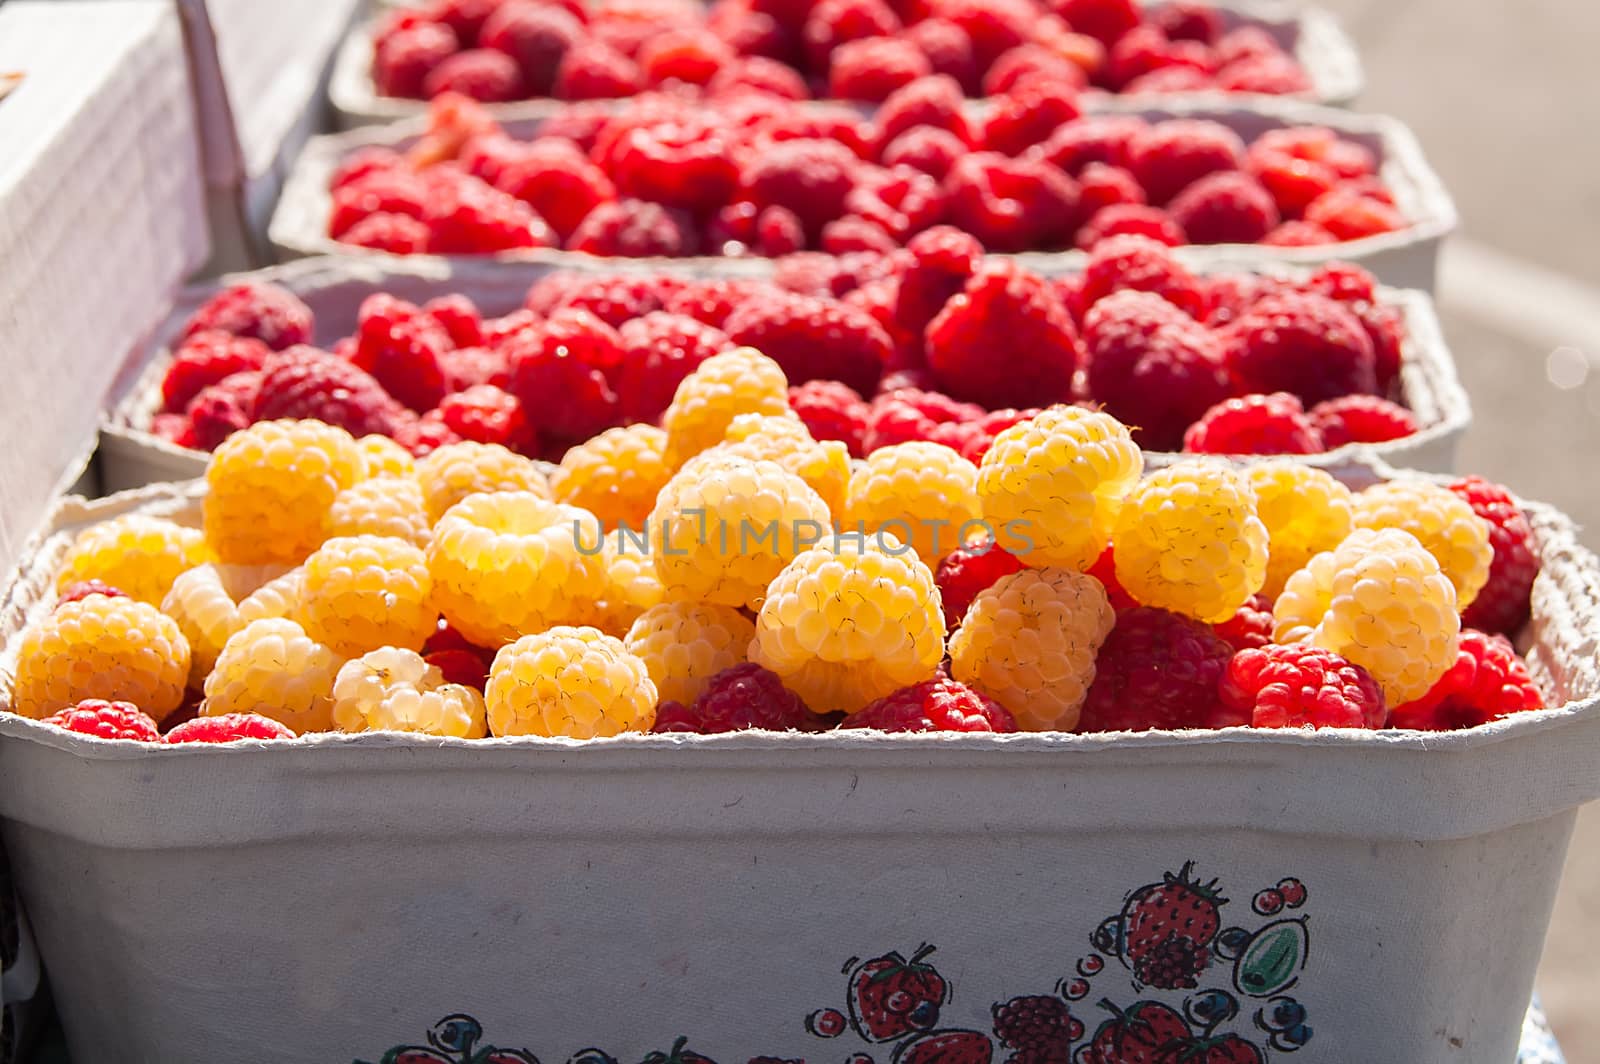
[
  {"x": 759, "y": 174},
  {"x": 501, "y": 50}
]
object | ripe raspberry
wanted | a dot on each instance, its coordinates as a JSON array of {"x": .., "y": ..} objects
[
  {"x": 616, "y": 475},
  {"x": 1270, "y": 75},
  {"x": 536, "y": 36},
  {"x": 1028, "y": 113},
  {"x": 1039, "y": 1028},
  {"x": 1005, "y": 300},
  {"x": 402, "y": 348},
  {"x": 486, "y": 414},
  {"x": 383, "y": 457},
  {"x": 1298, "y": 234},
  {"x": 785, "y": 440},
  {"x": 82, "y": 589},
  {"x": 1101, "y": 186},
  {"x": 405, "y": 57},
  {"x": 107, "y": 720},
  {"x": 465, "y": 216},
  {"x": 205, "y": 602},
  {"x": 690, "y": 55},
  {"x": 1502, "y": 604},
  {"x": 1229, "y": 207},
  {"x": 270, "y": 487},
  {"x": 479, "y": 74},
  {"x": 465, "y": 17},
  {"x": 228, "y": 728},
  {"x": 853, "y": 233},
  {"x": 397, "y": 192},
  {"x": 1301, "y": 686},
  {"x": 870, "y": 69},
  {"x": 949, "y": 50},
  {"x": 741, "y": 381},
  {"x": 1152, "y": 366},
  {"x": 613, "y": 298},
  {"x": 1381, "y": 601},
  {"x": 1303, "y": 344},
  {"x": 831, "y": 410},
  {"x": 1299, "y": 164},
  {"x": 629, "y": 585},
  {"x": 273, "y": 668},
  {"x": 757, "y": 73},
  {"x": 923, "y": 494},
  {"x": 896, "y": 637},
  {"x": 1032, "y": 62},
  {"x": 1306, "y": 512},
  {"x": 568, "y": 681},
  {"x": 1129, "y": 219},
  {"x": 1254, "y": 424},
  {"x": 1155, "y": 670},
  {"x": 832, "y": 23},
  {"x": 268, "y": 312},
  {"x": 1052, "y": 487},
  {"x": 1029, "y": 642},
  {"x": 995, "y": 27},
  {"x": 1145, "y": 60},
  {"x": 572, "y": 354},
  {"x": 812, "y": 338},
  {"x": 397, "y": 234},
  {"x": 558, "y": 181},
  {"x": 632, "y": 228},
  {"x": 100, "y": 647},
  {"x": 505, "y": 563},
  {"x": 1106, "y": 139},
  {"x": 390, "y": 689},
  {"x": 458, "y": 470},
  {"x": 1487, "y": 682},
  {"x": 593, "y": 70},
  {"x": 1361, "y": 419},
  {"x": 422, "y": 436},
  {"x": 903, "y": 414},
  {"x": 685, "y": 644},
  {"x": 139, "y": 555},
  {"x": 927, "y": 103},
  {"x": 1189, "y": 540},
  {"x": 1104, "y": 20},
  {"x": 1167, "y": 157},
  {"x": 966, "y": 571},
  {"x": 1011, "y": 204},
  {"x": 710, "y": 301},
  {"x": 933, "y": 151},
  {"x": 204, "y": 359},
  {"x": 1350, "y": 213},
  {"x": 940, "y": 704},
  {"x": 810, "y": 178},
  {"x": 303, "y": 382},
  {"x": 741, "y": 697},
  {"x": 660, "y": 350},
  {"x": 1136, "y": 262},
  {"x": 359, "y": 593},
  {"x": 1443, "y": 522},
  {"x": 1252, "y": 625}
]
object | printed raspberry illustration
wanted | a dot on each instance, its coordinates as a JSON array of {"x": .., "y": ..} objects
[
  {"x": 966, "y": 571},
  {"x": 273, "y": 668},
  {"x": 1380, "y": 600},
  {"x": 939, "y": 704},
  {"x": 304, "y": 382},
  {"x": 1169, "y": 928},
  {"x": 383, "y": 506},
  {"x": 1039, "y": 1028},
  {"x": 812, "y": 338},
  {"x": 1361, "y": 419},
  {"x": 660, "y": 350},
  {"x": 824, "y": 466},
  {"x": 1155, "y": 670},
  {"x": 1303, "y": 344},
  {"x": 1502, "y": 604},
  {"x": 685, "y": 644},
  {"x": 1251, "y": 627},
  {"x": 228, "y": 728},
  {"x": 100, "y": 647},
  {"x": 1011, "y": 204},
  {"x": 744, "y": 696},
  {"x": 572, "y": 682},
  {"x": 1487, "y": 682},
  {"x": 204, "y": 601},
  {"x": 267, "y": 312},
  {"x": 896, "y": 637},
  {"x": 458, "y": 470},
  {"x": 1443, "y": 522},
  {"x": 616, "y": 475},
  {"x": 1254, "y": 424},
  {"x": 107, "y": 720},
  {"x": 1029, "y": 641},
  {"x": 1306, "y": 512},
  {"x": 358, "y": 593},
  {"x": 1230, "y": 207},
  {"x": 629, "y": 585},
  {"x": 1003, "y": 299},
  {"x": 741, "y": 381},
  {"x": 831, "y": 410},
  {"x": 390, "y": 689},
  {"x": 1131, "y": 261},
  {"x": 923, "y": 494},
  {"x": 208, "y": 358},
  {"x": 1301, "y": 686},
  {"x": 138, "y": 555}
]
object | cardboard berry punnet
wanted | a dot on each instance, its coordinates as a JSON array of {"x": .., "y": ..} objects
[{"x": 1353, "y": 896}]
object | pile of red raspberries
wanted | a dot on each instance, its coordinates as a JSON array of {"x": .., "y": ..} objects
[
  {"x": 879, "y": 349},
  {"x": 862, "y": 50},
  {"x": 758, "y": 174}
]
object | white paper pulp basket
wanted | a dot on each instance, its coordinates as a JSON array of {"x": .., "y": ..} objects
[{"x": 339, "y": 897}]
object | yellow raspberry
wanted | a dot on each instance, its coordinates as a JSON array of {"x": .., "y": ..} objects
[
  {"x": 270, "y": 486},
  {"x": 741, "y": 381},
  {"x": 724, "y": 527},
  {"x": 390, "y": 689},
  {"x": 457, "y": 470},
  {"x": 1380, "y": 600},
  {"x": 117, "y": 649},
  {"x": 630, "y": 585},
  {"x": 1029, "y": 642},
  {"x": 684, "y": 644},
  {"x": 825, "y": 465},
  {"x": 136, "y": 554},
  {"x": 616, "y": 475},
  {"x": 1189, "y": 541},
  {"x": 205, "y": 603},
  {"x": 272, "y": 667},
  {"x": 575, "y": 682},
  {"x": 507, "y": 563},
  {"x": 382, "y": 457},
  {"x": 1052, "y": 487},
  {"x": 1306, "y": 512},
  {"x": 382, "y": 506},
  {"x": 364, "y": 592},
  {"x": 849, "y": 621},
  {"x": 1442, "y": 521},
  {"x": 922, "y": 493},
  {"x": 278, "y": 597}
]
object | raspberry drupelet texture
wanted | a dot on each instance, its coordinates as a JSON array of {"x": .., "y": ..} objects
[
  {"x": 629, "y": 585},
  {"x": 1155, "y": 670},
  {"x": 278, "y": 597},
  {"x": 1300, "y": 686},
  {"x": 1188, "y": 540},
  {"x": 107, "y": 720},
  {"x": 457, "y": 470},
  {"x": 1004, "y": 299},
  {"x": 1251, "y": 626},
  {"x": 1361, "y": 419},
  {"x": 1306, "y": 512},
  {"x": 228, "y": 728},
  {"x": 359, "y": 593},
  {"x": 205, "y": 359},
  {"x": 831, "y": 411},
  {"x": 939, "y": 704},
  {"x": 574, "y": 682},
  {"x": 390, "y": 689},
  {"x": 381, "y": 506},
  {"x": 1304, "y": 344},
  {"x": 1052, "y": 487},
  {"x": 268, "y": 312},
  {"x": 382, "y": 457},
  {"x": 812, "y": 338},
  {"x": 1380, "y": 600},
  {"x": 741, "y": 381},
  {"x": 824, "y": 465},
  {"x": 1039, "y": 1027},
  {"x": 847, "y": 622},
  {"x": 923, "y": 494},
  {"x": 272, "y": 667},
  {"x": 1443, "y": 522},
  {"x": 1029, "y": 642},
  {"x": 205, "y": 603},
  {"x": 507, "y": 563},
  {"x": 116, "y": 649},
  {"x": 723, "y": 527},
  {"x": 616, "y": 475},
  {"x": 744, "y": 696},
  {"x": 1488, "y": 681},
  {"x": 1502, "y": 604},
  {"x": 137, "y": 554},
  {"x": 966, "y": 571},
  {"x": 1254, "y": 424},
  {"x": 270, "y": 487},
  {"x": 685, "y": 644}
]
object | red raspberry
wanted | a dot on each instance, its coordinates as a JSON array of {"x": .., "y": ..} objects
[
  {"x": 402, "y": 348},
  {"x": 1031, "y": 62},
  {"x": 1135, "y": 262},
  {"x": 633, "y": 228},
  {"x": 458, "y": 316},
  {"x": 1230, "y": 207},
  {"x": 1304, "y": 344},
  {"x": 1361, "y": 419},
  {"x": 1244, "y": 42},
  {"x": 1343, "y": 282},
  {"x": 1104, "y": 139},
  {"x": 816, "y": 274},
  {"x": 833, "y": 22},
  {"x": 1003, "y": 303},
  {"x": 228, "y": 728},
  {"x": 754, "y": 72},
  {"x": 573, "y": 355},
  {"x": 397, "y": 234},
  {"x": 1028, "y": 114},
  {"x": 933, "y": 151},
  {"x": 1300, "y": 686},
  {"x": 1269, "y": 75},
  {"x": 813, "y": 338},
  {"x": 686, "y": 163},
  {"x": 968, "y": 570},
  {"x": 949, "y": 50},
  {"x": 854, "y": 233},
  {"x": 938, "y": 263},
  {"x": 403, "y": 59},
  {"x": 268, "y": 312},
  {"x": 1299, "y": 164},
  {"x": 1231, "y": 294},
  {"x": 929, "y": 102},
  {"x": 1170, "y": 79},
  {"x": 204, "y": 359},
  {"x": 82, "y": 589},
  {"x": 659, "y": 351},
  {"x": 832, "y": 411},
  {"x": 107, "y": 720},
  {"x": 1155, "y": 670},
  {"x": 479, "y": 74},
  {"x": 830, "y": 123},
  {"x": 1146, "y": 51},
  {"x": 900, "y": 202},
  {"x": 614, "y": 299},
  {"x": 1011, "y": 204},
  {"x": 691, "y": 55},
  {"x": 1170, "y": 156},
  {"x": 176, "y": 429},
  {"x": 465, "y": 17},
  {"x": 1101, "y": 186},
  {"x": 488, "y": 414},
  {"x": 1298, "y": 234},
  {"x": 1130, "y": 219},
  {"x": 1104, "y": 570},
  {"x": 745, "y": 696},
  {"x": 994, "y": 26},
  {"x": 940, "y": 704},
  {"x": 579, "y": 122},
  {"x": 1487, "y": 682},
  {"x": 1502, "y": 605},
  {"x": 364, "y": 162},
  {"x": 558, "y": 181},
  {"x": 468, "y": 217},
  {"x": 777, "y": 232},
  {"x": 537, "y": 36},
  {"x": 223, "y": 409},
  {"x": 304, "y": 382},
  {"x": 421, "y": 436},
  {"x": 1190, "y": 20},
  {"x": 812, "y": 178},
  {"x": 1349, "y": 212},
  {"x": 711, "y": 301},
  {"x": 980, "y": 434},
  {"x": 400, "y": 193},
  {"x": 460, "y": 667},
  {"x": 1254, "y": 424},
  {"x": 906, "y": 414},
  {"x": 468, "y": 367},
  {"x": 1152, "y": 366},
  {"x": 1104, "y": 20},
  {"x": 593, "y": 70},
  {"x": 1250, "y": 627},
  {"x": 871, "y": 68}
]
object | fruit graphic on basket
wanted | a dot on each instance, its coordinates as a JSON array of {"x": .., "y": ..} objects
[
  {"x": 891, "y": 996},
  {"x": 1147, "y": 1032},
  {"x": 946, "y": 1047},
  {"x": 1168, "y": 927}
]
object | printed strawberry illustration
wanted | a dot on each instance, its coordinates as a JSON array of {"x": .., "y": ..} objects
[
  {"x": 1147, "y": 1033},
  {"x": 678, "y": 1055},
  {"x": 1228, "y": 1049},
  {"x": 1168, "y": 928},
  {"x": 946, "y": 1047},
  {"x": 891, "y": 996}
]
